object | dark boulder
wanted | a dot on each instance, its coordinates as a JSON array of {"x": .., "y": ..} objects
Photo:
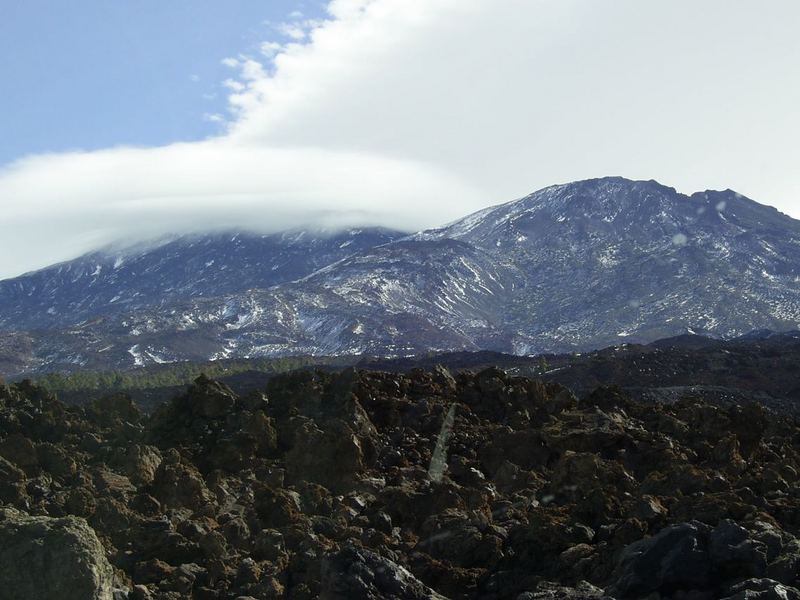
[{"x": 674, "y": 559}]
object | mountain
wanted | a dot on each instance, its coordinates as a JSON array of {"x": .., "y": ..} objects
[
  {"x": 191, "y": 266},
  {"x": 610, "y": 259},
  {"x": 570, "y": 267}
]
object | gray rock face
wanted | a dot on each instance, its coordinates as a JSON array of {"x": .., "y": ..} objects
[
  {"x": 786, "y": 568},
  {"x": 553, "y": 591},
  {"x": 693, "y": 556},
  {"x": 359, "y": 574},
  {"x": 675, "y": 557},
  {"x": 51, "y": 559},
  {"x": 732, "y": 550},
  {"x": 762, "y": 589}
]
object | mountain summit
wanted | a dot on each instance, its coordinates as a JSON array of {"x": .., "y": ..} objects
[
  {"x": 570, "y": 267},
  {"x": 611, "y": 259}
]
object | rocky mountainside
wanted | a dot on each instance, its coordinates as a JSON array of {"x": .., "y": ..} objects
[
  {"x": 151, "y": 276},
  {"x": 612, "y": 260},
  {"x": 366, "y": 486},
  {"x": 571, "y": 267}
]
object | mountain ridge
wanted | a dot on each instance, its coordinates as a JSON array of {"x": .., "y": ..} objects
[{"x": 570, "y": 267}]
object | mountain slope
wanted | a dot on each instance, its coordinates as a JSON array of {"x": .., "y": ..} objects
[
  {"x": 571, "y": 267},
  {"x": 191, "y": 266},
  {"x": 610, "y": 259},
  {"x": 402, "y": 298}
]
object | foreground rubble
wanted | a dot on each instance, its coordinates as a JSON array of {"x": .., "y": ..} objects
[{"x": 417, "y": 486}]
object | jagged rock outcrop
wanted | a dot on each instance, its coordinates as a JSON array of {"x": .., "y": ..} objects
[{"x": 359, "y": 574}]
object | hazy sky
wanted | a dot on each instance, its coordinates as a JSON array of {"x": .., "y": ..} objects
[{"x": 125, "y": 120}]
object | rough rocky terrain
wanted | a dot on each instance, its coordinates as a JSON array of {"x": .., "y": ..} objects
[
  {"x": 759, "y": 367},
  {"x": 409, "y": 486}
]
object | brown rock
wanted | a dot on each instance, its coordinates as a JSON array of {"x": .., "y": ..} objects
[
  {"x": 20, "y": 451},
  {"x": 141, "y": 463},
  {"x": 55, "y": 460},
  {"x": 180, "y": 485}
]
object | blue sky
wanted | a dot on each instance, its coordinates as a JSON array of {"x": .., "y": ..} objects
[{"x": 97, "y": 73}]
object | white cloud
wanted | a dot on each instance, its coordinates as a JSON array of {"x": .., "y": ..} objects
[
  {"x": 234, "y": 85},
  {"x": 414, "y": 112},
  {"x": 298, "y": 31},
  {"x": 251, "y": 70},
  {"x": 270, "y": 49},
  {"x": 293, "y": 31},
  {"x": 130, "y": 193}
]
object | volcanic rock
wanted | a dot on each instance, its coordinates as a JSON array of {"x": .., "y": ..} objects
[
  {"x": 358, "y": 574},
  {"x": 51, "y": 559},
  {"x": 321, "y": 485}
]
